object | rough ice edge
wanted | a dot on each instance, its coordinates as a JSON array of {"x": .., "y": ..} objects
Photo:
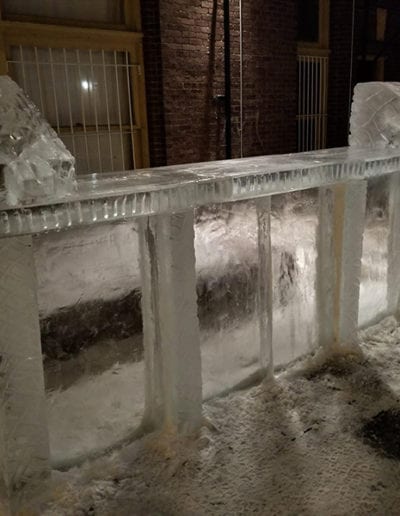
[
  {"x": 375, "y": 115},
  {"x": 130, "y": 194},
  {"x": 36, "y": 164}
]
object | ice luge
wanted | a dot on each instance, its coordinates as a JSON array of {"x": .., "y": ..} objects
[{"x": 36, "y": 164}]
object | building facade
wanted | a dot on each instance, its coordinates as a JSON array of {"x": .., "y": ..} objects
[{"x": 135, "y": 83}]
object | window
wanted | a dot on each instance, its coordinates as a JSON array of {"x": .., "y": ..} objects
[
  {"x": 313, "y": 24},
  {"x": 107, "y": 12},
  {"x": 87, "y": 81},
  {"x": 312, "y": 74},
  {"x": 308, "y": 21}
]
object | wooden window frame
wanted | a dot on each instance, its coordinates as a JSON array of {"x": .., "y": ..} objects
[{"x": 90, "y": 37}]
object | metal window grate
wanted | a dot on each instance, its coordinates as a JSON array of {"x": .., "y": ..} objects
[
  {"x": 86, "y": 96},
  {"x": 312, "y": 73}
]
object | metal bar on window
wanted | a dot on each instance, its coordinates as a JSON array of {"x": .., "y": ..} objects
[
  {"x": 130, "y": 105},
  {"x": 71, "y": 124},
  {"x": 54, "y": 89},
  {"x": 96, "y": 119},
  {"x": 81, "y": 89},
  {"x": 39, "y": 82},
  {"x": 107, "y": 110},
  {"x": 119, "y": 111},
  {"x": 23, "y": 67}
]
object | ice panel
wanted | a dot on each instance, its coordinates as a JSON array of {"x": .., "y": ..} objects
[
  {"x": 227, "y": 276},
  {"x": 36, "y": 164},
  {"x": 89, "y": 299},
  {"x": 373, "y": 287},
  {"x": 294, "y": 254},
  {"x": 375, "y": 115}
]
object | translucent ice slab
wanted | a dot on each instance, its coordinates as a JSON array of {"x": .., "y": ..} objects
[
  {"x": 227, "y": 266},
  {"x": 36, "y": 164},
  {"x": 375, "y": 115},
  {"x": 89, "y": 297},
  {"x": 373, "y": 288},
  {"x": 294, "y": 254}
]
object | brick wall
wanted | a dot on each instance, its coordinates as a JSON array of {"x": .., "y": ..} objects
[
  {"x": 185, "y": 74},
  {"x": 270, "y": 77},
  {"x": 150, "y": 10},
  {"x": 184, "y": 84}
]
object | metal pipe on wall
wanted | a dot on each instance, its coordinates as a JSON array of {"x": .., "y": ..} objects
[{"x": 227, "y": 66}]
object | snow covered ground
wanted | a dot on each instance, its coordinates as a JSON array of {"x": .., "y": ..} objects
[{"x": 321, "y": 439}]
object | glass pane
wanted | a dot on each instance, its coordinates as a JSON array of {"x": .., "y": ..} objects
[
  {"x": 100, "y": 152},
  {"x": 308, "y": 28},
  {"x": 86, "y": 96},
  {"x": 106, "y": 11},
  {"x": 89, "y": 298}
]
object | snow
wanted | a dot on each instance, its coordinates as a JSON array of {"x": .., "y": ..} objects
[{"x": 292, "y": 446}]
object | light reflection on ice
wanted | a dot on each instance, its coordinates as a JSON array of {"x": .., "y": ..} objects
[{"x": 106, "y": 405}]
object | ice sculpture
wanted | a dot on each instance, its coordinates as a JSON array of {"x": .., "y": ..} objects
[
  {"x": 375, "y": 115},
  {"x": 36, "y": 164},
  {"x": 375, "y": 124},
  {"x": 164, "y": 202}
]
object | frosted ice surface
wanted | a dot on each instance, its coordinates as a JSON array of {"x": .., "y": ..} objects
[
  {"x": 36, "y": 164},
  {"x": 375, "y": 115}
]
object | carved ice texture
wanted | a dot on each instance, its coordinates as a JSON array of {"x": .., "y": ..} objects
[
  {"x": 375, "y": 124},
  {"x": 36, "y": 164},
  {"x": 375, "y": 115}
]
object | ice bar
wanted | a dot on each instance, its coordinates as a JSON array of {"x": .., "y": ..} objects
[{"x": 40, "y": 195}]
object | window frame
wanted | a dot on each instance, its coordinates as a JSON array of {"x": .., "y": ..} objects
[
  {"x": 320, "y": 47},
  {"x": 18, "y": 32}
]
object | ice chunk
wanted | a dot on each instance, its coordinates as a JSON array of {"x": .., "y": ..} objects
[
  {"x": 375, "y": 115},
  {"x": 36, "y": 164}
]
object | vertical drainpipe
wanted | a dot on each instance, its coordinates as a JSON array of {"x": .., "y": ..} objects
[{"x": 227, "y": 66}]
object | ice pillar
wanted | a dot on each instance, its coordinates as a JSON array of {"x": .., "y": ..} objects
[
  {"x": 170, "y": 322},
  {"x": 24, "y": 444},
  {"x": 264, "y": 285},
  {"x": 393, "y": 277},
  {"x": 340, "y": 235}
]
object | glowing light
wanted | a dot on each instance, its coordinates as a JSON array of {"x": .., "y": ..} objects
[{"x": 87, "y": 85}]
